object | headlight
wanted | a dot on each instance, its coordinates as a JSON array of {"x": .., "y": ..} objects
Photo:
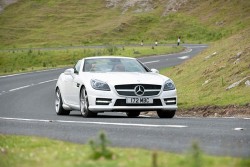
[
  {"x": 99, "y": 85},
  {"x": 169, "y": 85}
]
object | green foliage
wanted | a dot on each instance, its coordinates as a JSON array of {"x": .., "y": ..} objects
[
  {"x": 34, "y": 151},
  {"x": 203, "y": 81},
  {"x": 154, "y": 159},
  {"x": 30, "y": 59},
  {"x": 99, "y": 148},
  {"x": 111, "y": 49},
  {"x": 73, "y": 23},
  {"x": 195, "y": 156}
]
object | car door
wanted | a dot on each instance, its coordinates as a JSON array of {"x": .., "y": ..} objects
[{"x": 73, "y": 86}]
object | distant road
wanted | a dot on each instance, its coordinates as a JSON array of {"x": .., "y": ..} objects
[
  {"x": 27, "y": 108},
  {"x": 87, "y": 46}
]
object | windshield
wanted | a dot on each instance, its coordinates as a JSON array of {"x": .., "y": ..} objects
[{"x": 113, "y": 65}]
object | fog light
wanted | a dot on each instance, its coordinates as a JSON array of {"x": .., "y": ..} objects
[
  {"x": 103, "y": 101},
  {"x": 170, "y": 101}
]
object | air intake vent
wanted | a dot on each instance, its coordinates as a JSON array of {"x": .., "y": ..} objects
[{"x": 122, "y": 102}]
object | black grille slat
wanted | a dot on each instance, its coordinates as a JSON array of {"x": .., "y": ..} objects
[
  {"x": 152, "y": 93},
  {"x": 132, "y": 86},
  {"x": 128, "y": 90},
  {"x": 126, "y": 93}
]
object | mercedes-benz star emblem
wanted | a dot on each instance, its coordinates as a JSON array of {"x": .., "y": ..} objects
[{"x": 139, "y": 90}]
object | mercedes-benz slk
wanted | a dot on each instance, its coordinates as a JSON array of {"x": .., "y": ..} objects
[{"x": 114, "y": 84}]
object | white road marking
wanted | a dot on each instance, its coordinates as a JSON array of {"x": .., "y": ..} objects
[
  {"x": 96, "y": 123},
  {"x": 19, "y": 88},
  {"x": 151, "y": 62},
  {"x": 184, "y": 52},
  {"x": 238, "y": 129},
  {"x": 183, "y": 57},
  {"x": 188, "y": 51},
  {"x": 198, "y": 46},
  {"x": 183, "y": 117},
  {"x": 27, "y": 86},
  {"x": 46, "y": 81},
  {"x": 12, "y": 75}
]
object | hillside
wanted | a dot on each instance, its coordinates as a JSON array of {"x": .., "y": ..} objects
[
  {"x": 207, "y": 79},
  {"x": 56, "y": 23},
  {"x": 202, "y": 81}
]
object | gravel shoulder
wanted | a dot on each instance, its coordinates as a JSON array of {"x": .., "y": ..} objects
[{"x": 213, "y": 111}]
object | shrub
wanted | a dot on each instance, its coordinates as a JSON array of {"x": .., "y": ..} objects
[
  {"x": 99, "y": 147},
  {"x": 111, "y": 49}
]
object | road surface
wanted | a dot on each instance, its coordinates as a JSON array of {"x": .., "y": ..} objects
[{"x": 27, "y": 108}]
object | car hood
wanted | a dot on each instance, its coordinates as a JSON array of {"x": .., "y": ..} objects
[{"x": 119, "y": 78}]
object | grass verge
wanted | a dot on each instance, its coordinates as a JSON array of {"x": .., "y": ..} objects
[
  {"x": 205, "y": 79},
  {"x": 64, "y": 23},
  {"x": 34, "y": 151},
  {"x": 15, "y": 61}
]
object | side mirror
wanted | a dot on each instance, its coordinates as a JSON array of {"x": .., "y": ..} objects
[
  {"x": 69, "y": 71},
  {"x": 154, "y": 71}
]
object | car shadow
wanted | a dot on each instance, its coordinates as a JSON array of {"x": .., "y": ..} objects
[{"x": 113, "y": 115}]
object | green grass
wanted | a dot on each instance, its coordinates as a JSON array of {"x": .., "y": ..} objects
[
  {"x": 70, "y": 23},
  {"x": 30, "y": 60},
  {"x": 219, "y": 70},
  {"x": 33, "y": 151}
]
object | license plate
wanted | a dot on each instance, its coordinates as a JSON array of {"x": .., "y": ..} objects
[{"x": 139, "y": 100}]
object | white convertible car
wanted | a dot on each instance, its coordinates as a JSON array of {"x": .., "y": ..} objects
[{"x": 114, "y": 84}]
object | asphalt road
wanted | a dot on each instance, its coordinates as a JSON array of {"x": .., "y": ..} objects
[{"x": 27, "y": 108}]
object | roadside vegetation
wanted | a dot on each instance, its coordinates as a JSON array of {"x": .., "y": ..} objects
[
  {"x": 21, "y": 60},
  {"x": 72, "y": 23},
  {"x": 35, "y": 151},
  {"x": 205, "y": 80}
]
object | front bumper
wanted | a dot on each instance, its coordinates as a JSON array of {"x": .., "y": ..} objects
[{"x": 101, "y": 101}]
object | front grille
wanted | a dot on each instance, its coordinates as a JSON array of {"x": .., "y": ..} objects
[
  {"x": 132, "y": 86},
  {"x": 122, "y": 102},
  {"x": 129, "y": 90}
]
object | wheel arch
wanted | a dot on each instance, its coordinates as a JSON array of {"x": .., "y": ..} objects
[
  {"x": 64, "y": 104},
  {"x": 62, "y": 108},
  {"x": 81, "y": 87}
]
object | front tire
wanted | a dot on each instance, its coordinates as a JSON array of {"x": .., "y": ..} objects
[
  {"x": 84, "y": 104},
  {"x": 59, "y": 104},
  {"x": 166, "y": 114}
]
